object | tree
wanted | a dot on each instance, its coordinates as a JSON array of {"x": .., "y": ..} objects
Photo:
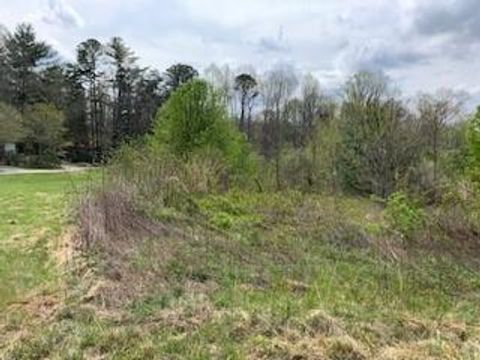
[
  {"x": 177, "y": 75},
  {"x": 24, "y": 53},
  {"x": 53, "y": 84},
  {"x": 277, "y": 88},
  {"x": 89, "y": 57},
  {"x": 379, "y": 136},
  {"x": 148, "y": 98},
  {"x": 436, "y": 112},
  {"x": 293, "y": 123},
  {"x": 246, "y": 85},
  {"x": 223, "y": 80},
  {"x": 4, "y": 73},
  {"x": 126, "y": 73},
  {"x": 312, "y": 109},
  {"x": 44, "y": 129},
  {"x": 194, "y": 120},
  {"x": 75, "y": 109},
  {"x": 10, "y": 124},
  {"x": 325, "y": 147},
  {"x": 317, "y": 112}
]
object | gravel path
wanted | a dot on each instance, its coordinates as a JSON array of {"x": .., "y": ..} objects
[{"x": 11, "y": 170}]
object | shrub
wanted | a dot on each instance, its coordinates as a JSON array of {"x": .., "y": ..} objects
[
  {"x": 473, "y": 141},
  {"x": 403, "y": 215},
  {"x": 48, "y": 159},
  {"x": 194, "y": 121},
  {"x": 153, "y": 179},
  {"x": 296, "y": 170}
]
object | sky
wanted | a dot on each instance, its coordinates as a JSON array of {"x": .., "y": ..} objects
[{"x": 422, "y": 45}]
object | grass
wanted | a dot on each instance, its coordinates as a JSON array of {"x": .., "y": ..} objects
[
  {"x": 257, "y": 276},
  {"x": 33, "y": 214}
]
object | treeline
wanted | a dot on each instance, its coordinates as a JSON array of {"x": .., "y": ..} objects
[
  {"x": 99, "y": 101},
  {"x": 369, "y": 140}
]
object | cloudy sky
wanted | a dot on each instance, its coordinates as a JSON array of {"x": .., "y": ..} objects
[{"x": 421, "y": 44}]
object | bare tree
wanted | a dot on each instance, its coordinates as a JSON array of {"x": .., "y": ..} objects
[
  {"x": 222, "y": 78},
  {"x": 316, "y": 110},
  {"x": 311, "y": 107},
  {"x": 436, "y": 112},
  {"x": 278, "y": 86}
]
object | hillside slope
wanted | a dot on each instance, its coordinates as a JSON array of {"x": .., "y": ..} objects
[{"x": 233, "y": 276}]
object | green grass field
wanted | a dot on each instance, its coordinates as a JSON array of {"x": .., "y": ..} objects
[
  {"x": 250, "y": 276},
  {"x": 33, "y": 213}
]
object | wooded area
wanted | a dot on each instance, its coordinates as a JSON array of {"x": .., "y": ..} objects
[{"x": 370, "y": 139}]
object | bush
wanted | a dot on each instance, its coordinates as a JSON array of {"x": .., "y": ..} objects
[
  {"x": 403, "y": 215},
  {"x": 194, "y": 125},
  {"x": 158, "y": 179},
  {"x": 473, "y": 141},
  {"x": 48, "y": 159},
  {"x": 296, "y": 170},
  {"x": 454, "y": 225}
]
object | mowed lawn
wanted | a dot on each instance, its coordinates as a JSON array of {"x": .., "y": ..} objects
[{"x": 33, "y": 213}]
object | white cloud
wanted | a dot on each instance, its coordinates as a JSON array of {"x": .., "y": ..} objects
[
  {"x": 61, "y": 13},
  {"x": 421, "y": 44}
]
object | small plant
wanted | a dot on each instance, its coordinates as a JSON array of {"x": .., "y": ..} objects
[
  {"x": 223, "y": 220},
  {"x": 403, "y": 215}
]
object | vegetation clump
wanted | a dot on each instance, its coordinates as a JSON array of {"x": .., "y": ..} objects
[
  {"x": 194, "y": 122},
  {"x": 403, "y": 215}
]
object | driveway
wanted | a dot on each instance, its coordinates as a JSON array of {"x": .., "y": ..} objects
[{"x": 12, "y": 170}]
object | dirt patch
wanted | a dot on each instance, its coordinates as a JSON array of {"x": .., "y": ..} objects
[
  {"x": 422, "y": 350},
  {"x": 38, "y": 307},
  {"x": 43, "y": 307},
  {"x": 65, "y": 248}
]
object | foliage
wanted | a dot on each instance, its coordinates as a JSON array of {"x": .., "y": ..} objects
[
  {"x": 10, "y": 124},
  {"x": 473, "y": 140},
  {"x": 246, "y": 85},
  {"x": 44, "y": 134},
  {"x": 435, "y": 113},
  {"x": 404, "y": 215},
  {"x": 44, "y": 126},
  {"x": 24, "y": 55},
  {"x": 325, "y": 150},
  {"x": 379, "y": 140},
  {"x": 177, "y": 75},
  {"x": 194, "y": 120}
]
